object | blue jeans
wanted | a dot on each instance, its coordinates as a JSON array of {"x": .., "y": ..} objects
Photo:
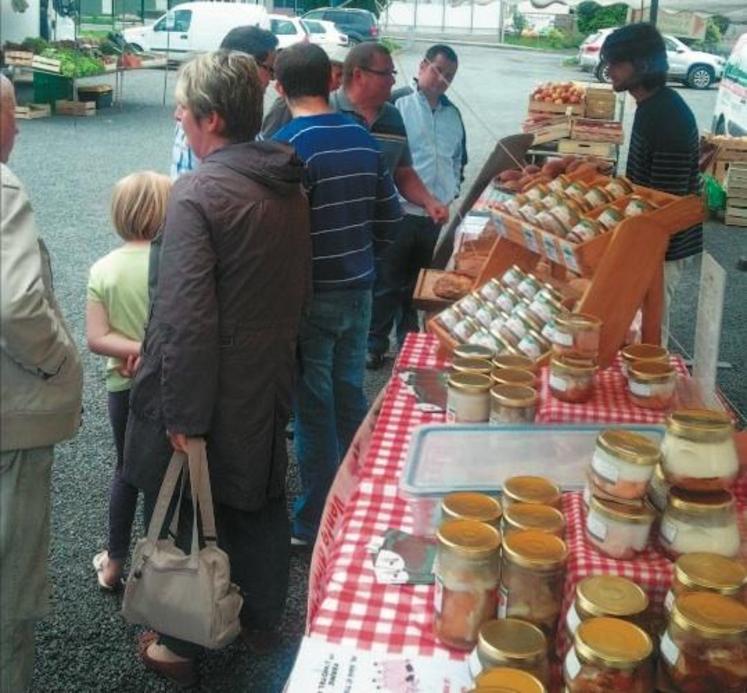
[{"x": 330, "y": 404}]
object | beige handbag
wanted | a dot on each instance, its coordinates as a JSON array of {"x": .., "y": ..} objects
[{"x": 188, "y": 596}]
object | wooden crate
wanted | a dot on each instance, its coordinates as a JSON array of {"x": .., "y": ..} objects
[
  {"x": 601, "y": 103},
  {"x": 596, "y": 130},
  {"x": 736, "y": 195},
  {"x": 604, "y": 150},
  {"x": 423, "y": 297},
  {"x": 30, "y": 111},
  {"x": 550, "y": 130},
  {"x": 565, "y": 108},
  {"x": 75, "y": 108},
  {"x": 19, "y": 58},
  {"x": 46, "y": 64},
  {"x": 730, "y": 150}
]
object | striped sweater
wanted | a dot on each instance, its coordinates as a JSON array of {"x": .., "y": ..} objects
[{"x": 663, "y": 154}]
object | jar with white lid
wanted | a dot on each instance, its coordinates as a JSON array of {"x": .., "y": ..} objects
[
  {"x": 698, "y": 450},
  {"x": 644, "y": 353},
  {"x": 531, "y": 489},
  {"x": 623, "y": 463},
  {"x": 578, "y": 333},
  {"x": 617, "y": 530},
  {"x": 571, "y": 378},
  {"x": 512, "y": 276},
  {"x": 468, "y": 398},
  {"x": 707, "y": 572},
  {"x": 512, "y": 404},
  {"x": 695, "y": 522},
  {"x": 651, "y": 384},
  {"x": 543, "y": 518},
  {"x": 473, "y": 351},
  {"x": 658, "y": 490},
  {"x": 464, "y": 364}
]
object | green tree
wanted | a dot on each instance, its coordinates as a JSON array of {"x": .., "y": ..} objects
[
  {"x": 591, "y": 17},
  {"x": 520, "y": 22}
]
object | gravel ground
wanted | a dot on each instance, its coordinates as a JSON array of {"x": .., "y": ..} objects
[{"x": 69, "y": 166}]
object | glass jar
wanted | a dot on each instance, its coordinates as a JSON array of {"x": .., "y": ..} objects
[
  {"x": 533, "y": 345},
  {"x": 597, "y": 196},
  {"x": 465, "y": 505},
  {"x": 469, "y": 305},
  {"x": 544, "y": 307},
  {"x": 643, "y": 353},
  {"x": 515, "y": 203},
  {"x": 465, "y": 328},
  {"x": 471, "y": 365},
  {"x": 532, "y": 576},
  {"x": 567, "y": 214},
  {"x": 548, "y": 331},
  {"x": 510, "y": 643},
  {"x": 552, "y": 224},
  {"x": 466, "y": 574},
  {"x": 512, "y": 376},
  {"x": 502, "y": 346},
  {"x": 651, "y": 384},
  {"x": 698, "y": 450},
  {"x": 619, "y": 187},
  {"x": 516, "y": 362},
  {"x": 610, "y": 217},
  {"x": 509, "y": 337},
  {"x": 537, "y": 192},
  {"x": 486, "y": 314},
  {"x": 696, "y": 521},
  {"x": 528, "y": 286},
  {"x": 543, "y": 518},
  {"x": 577, "y": 332},
  {"x": 606, "y": 595},
  {"x": 507, "y": 299},
  {"x": 468, "y": 398},
  {"x": 520, "y": 321},
  {"x": 512, "y": 276},
  {"x": 473, "y": 351},
  {"x": 559, "y": 184},
  {"x": 498, "y": 321},
  {"x": 530, "y": 211},
  {"x": 609, "y": 654},
  {"x": 571, "y": 379},
  {"x": 551, "y": 199},
  {"x": 450, "y": 317},
  {"x": 658, "y": 490},
  {"x": 483, "y": 338},
  {"x": 576, "y": 191},
  {"x": 585, "y": 230},
  {"x": 705, "y": 646},
  {"x": 707, "y": 572},
  {"x": 512, "y": 404},
  {"x": 617, "y": 530},
  {"x": 535, "y": 490},
  {"x": 489, "y": 290},
  {"x": 623, "y": 463},
  {"x": 503, "y": 679},
  {"x": 638, "y": 205}
]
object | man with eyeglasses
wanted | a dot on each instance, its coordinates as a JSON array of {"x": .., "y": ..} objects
[{"x": 261, "y": 45}]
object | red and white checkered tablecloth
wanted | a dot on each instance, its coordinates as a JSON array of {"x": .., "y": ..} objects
[{"x": 354, "y": 610}]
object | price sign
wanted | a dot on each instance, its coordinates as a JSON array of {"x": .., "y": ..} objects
[{"x": 708, "y": 328}]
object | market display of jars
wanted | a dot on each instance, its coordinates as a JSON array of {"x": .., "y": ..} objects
[
  {"x": 616, "y": 529},
  {"x": 707, "y": 572},
  {"x": 544, "y": 518},
  {"x": 466, "y": 570},
  {"x": 623, "y": 463}
]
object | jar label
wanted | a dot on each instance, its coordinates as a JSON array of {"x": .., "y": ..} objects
[
  {"x": 548, "y": 331},
  {"x": 669, "y": 601},
  {"x": 558, "y": 383},
  {"x": 572, "y": 619},
  {"x": 502, "y": 601},
  {"x": 604, "y": 468},
  {"x": 572, "y": 665},
  {"x": 450, "y": 414},
  {"x": 596, "y": 527},
  {"x": 668, "y": 530},
  {"x": 438, "y": 595},
  {"x": 669, "y": 649},
  {"x": 516, "y": 326},
  {"x": 640, "y": 389},
  {"x": 562, "y": 338},
  {"x": 474, "y": 664}
]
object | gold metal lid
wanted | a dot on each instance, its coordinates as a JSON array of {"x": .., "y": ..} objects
[
  {"x": 464, "y": 505},
  {"x": 474, "y": 351},
  {"x": 703, "y": 425},
  {"x": 700, "y": 502},
  {"x": 710, "y": 571},
  {"x": 474, "y": 383},
  {"x": 531, "y": 548},
  {"x": 651, "y": 371},
  {"x": 577, "y": 321},
  {"x": 512, "y": 376},
  {"x": 567, "y": 363},
  {"x": 628, "y": 446},
  {"x": 515, "y": 362},
  {"x": 645, "y": 352},
  {"x": 507, "y": 680},
  {"x": 620, "y": 512},
  {"x": 544, "y": 518},
  {"x": 471, "y": 365},
  {"x": 469, "y": 538},
  {"x": 514, "y": 395},
  {"x": 510, "y": 637},
  {"x": 612, "y": 642},
  {"x": 610, "y": 595},
  {"x": 710, "y": 615},
  {"x": 531, "y": 489}
]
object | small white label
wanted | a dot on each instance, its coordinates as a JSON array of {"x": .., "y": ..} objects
[
  {"x": 668, "y": 530},
  {"x": 572, "y": 619},
  {"x": 669, "y": 601},
  {"x": 563, "y": 338},
  {"x": 438, "y": 596},
  {"x": 572, "y": 665},
  {"x": 502, "y": 601},
  {"x": 596, "y": 527},
  {"x": 604, "y": 468},
  {"x": 669, "y": 649},
  {"x": 640, "y": 389},
  {"x": 557, "y": 383},
  {"x": 548, "y": 331},
  {"x": 474, "y": 664},
  {"x": 450, "y": 414}
]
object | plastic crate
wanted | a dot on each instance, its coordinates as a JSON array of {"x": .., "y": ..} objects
[
  {"x": 50, "y": 88},
  {"x": 100, "y": 94}
]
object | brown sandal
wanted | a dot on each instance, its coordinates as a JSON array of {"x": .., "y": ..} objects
[{"x": 181, "y": 673}]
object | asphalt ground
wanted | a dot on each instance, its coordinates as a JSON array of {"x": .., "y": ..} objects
[{"x": 69, "y": 166}]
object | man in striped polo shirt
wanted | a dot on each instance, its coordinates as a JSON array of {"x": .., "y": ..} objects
[
  {"x": 354, "y": 212},
  {"x": 664, "y": 143}
]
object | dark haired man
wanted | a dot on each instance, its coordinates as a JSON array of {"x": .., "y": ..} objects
[
  {"x": 261, "y": 45},
  {"x": 354, "y": 210},
  {"x": 664, "y": 143}
]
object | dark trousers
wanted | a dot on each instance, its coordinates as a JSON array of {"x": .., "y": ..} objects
[
  {"x": 258, "y": 546},
  {"x": 123, "y": 496},
  {"x": 397, "y": 273}
]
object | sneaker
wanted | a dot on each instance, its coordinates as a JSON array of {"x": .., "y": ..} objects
[
  {"x": 374, "y": 361},
  {"x": 298, "y": 542}
]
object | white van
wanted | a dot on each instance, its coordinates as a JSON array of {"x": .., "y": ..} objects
[
  {"x": 730, "y": 114},
  {"x": 194, "y": 27}
]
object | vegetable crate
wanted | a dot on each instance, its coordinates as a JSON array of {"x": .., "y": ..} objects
[
  {"x": 75, "y": 108},
  {"x": 50, "y": 88},
  {"x": 564, "y": 108},
  {"x": 603, "y": 150},
  {"x": 100, "y": 94},
  {"x": 593, "y": 130},
  {"x": 19, "y": 58},
  {"x": 46, "y": 64},
  {"x": 32, "y": 111},
  {"x": 601, "y": 102},
  {"x": 736, "y": 195}
]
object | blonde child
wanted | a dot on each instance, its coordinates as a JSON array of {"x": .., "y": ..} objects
[{"x": 116, "y": 313}]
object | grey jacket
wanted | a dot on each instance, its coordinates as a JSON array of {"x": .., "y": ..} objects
[
  {"x": 218, "y": 358},
  {"x": 41, "y": 378}
]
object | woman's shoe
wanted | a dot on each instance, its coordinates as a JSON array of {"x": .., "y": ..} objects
[
  {"x": 100, "y": 561},
  {"x": 181, "y": 673}
]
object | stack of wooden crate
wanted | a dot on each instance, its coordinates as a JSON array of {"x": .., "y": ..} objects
[
  {"x": 729, "y": 150},
  {"x": 736, "y": 195}
]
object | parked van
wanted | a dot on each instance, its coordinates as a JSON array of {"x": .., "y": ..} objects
[
  {"x": 194, "y": 27},
  {"x": 730, "y": 114}
]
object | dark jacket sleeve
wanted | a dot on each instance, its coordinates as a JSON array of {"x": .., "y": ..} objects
[{"x": 186, "y": 309}]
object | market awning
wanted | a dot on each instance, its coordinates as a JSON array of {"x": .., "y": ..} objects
[{"x": 733, "y": 9}]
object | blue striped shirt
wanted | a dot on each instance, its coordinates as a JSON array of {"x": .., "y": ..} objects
[{"x": 354, "y": 206}]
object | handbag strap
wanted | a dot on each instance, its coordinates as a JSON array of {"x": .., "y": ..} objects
[
  {"x": 165, "y": 494},
  {"x": 201, "y": 492}
]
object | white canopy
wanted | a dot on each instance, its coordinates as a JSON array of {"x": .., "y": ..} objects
[{"x": 733, "y": 9}]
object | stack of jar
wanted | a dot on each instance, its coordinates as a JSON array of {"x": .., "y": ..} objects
[
  {"x": 575, "y": 347},
  {"x": 650, "y": 375},
  {"x": 510, "y": 315}
]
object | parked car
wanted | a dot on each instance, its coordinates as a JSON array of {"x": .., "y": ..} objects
[
  {"x": 324, "y": 33},
  {"x": 359, "y": 25},
  {"x": 288, "y": 30},
  {"x": 195, "y": 27},
  {"x": 730, "y": 114},
  {"x": 693, "y": 68}
]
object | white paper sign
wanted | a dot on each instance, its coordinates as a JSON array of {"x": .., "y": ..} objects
[{"x": 708, "y": 327}]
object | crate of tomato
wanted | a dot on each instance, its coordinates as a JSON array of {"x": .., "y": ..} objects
[{"x": 558, "y": 97}]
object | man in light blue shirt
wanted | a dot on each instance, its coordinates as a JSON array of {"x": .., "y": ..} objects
[{"x": 435, "y": 133}]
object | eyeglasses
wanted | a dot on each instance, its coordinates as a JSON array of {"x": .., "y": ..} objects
[
  {"x": 380, "y": 73},
  {"x": 270, "y": 69}
]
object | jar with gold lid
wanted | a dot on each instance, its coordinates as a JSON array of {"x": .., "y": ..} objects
[
  {"x": 698, "y": 450},
  {"x": 651, "y": 384},
  {"x": 513, "y": 276},
  {"x": 638, "y": 205},
  {"x": 571, "y": 378},
  {"x": 471, "y": 364},
  {"x": 616, "y": 529},
  {"x": 467, "y": 505},
  {"x": 522, "y": 321},
  {"x": 658, "y": 490},
  {"x": 705, "y": 645},
  {"x": 610, "y": 217},
  {"x": 515, "y": 203},
  {"x": 449, "y": 317},
  {"x": 465, "y": 328},
  {"x": 468, "y": 398},
  {"x": 606, "y": 595},
  {"x": 643, "y": 353},
  {"x": 530, "y": 489},
  {"x": 568, "y": 213},
  {"x": 507, "y": 680},
  {"x": 512, "y": 404},
  {"x": 530, "y": 211},
  {"x": 472, "y": 351},
  {"x": 585, "y": 230},
  {"x": 576, "y": 191},
  {"x": 513, "y": 643},
  {"x": 559, "y": 183},
  {"x": 544, "y": 307},
  {"x": 490, "y": 289},
  {"x": 550, "y": 223},
  {"x": 537, "y": 192},
  {"x": 707, "y": 572},
  {"x": 515, "y": 361},
  {"x": 484, "y": 338},
  {"x": 512, "y": 376},
  {"x": 486, "y": 313},
  {"x": 543, "y": 518},
  {"x": 466, "y": 574},
  {"x": 469, "y": 304},
  {"x": 578, "y": 333},
  {"x": 623, "y": 463},
  {"x": 609, "y": 654},
  {"x": 696, "y": 522},
  {"x": 596, "y": 196},
  {"x": 533, "y": 345},
  {"x": 532, "y": 578},
  {"x": 507, "y": 299},
  {"x": 619, "y": 187},
  {"x": 528, "y": 286}
]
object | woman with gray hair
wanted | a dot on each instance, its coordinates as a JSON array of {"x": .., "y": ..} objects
[{"x": 219, "y": 350}]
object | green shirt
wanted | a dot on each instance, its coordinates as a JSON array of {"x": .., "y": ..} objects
[{"x": 119, "y": 281}]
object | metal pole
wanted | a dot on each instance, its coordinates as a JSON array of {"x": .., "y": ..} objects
[
  {"x": 415, "y": 17},
  {"x": 654, "y": 12},
  {"x": 443, "y": 15},
  {"x": 501, "y": 22},
  {"x": 472, "y": 17}
]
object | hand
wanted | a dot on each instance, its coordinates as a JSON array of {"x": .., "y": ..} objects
[
  {"x": 436, "y": 211},
  {"x": 130, "y": 366},
  {"x": 179, "y": 441}
]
